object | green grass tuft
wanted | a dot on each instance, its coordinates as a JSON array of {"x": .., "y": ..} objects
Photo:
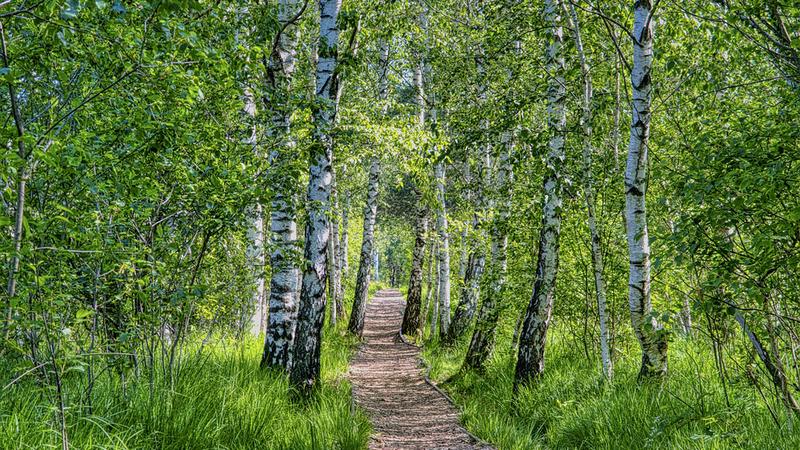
[
  {"x": 221, "y": 400},
  {"x": 572, "y": 406}
]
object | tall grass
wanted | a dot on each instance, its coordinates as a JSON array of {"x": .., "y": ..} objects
[
  {"x": 571, "y": 406},
  {"x": 220, "y": 400}
]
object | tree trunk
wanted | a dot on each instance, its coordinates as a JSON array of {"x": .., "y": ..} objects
[
  {"x": 255, "y": 260},
  {"x": 344, "y": 242},
  {"x": 470, "y": 290},
  {"x": 254, "y": 253},
  {"x": 530, "y": 362},
  {"x": 463, "y": 260},
  {"x": 647, "y": 330},
  {"x": 433, "y": 300},
  {"x": 444, "y": 253},
  {"x": 356, "y": 325},
  {"x": 279, "y": 338},
  {"x": 305, "y": 369},
  {"x": 24, "y": 175},
  {"x": 777, "y": 375},
  {"x": 589, "y": 195},
  {"x": 483, "y": 336},
  {"x": 376, "y": 267},
  {"x": 431, "y": 281},
  {"x": 411, "y": 316},
  {"x": 341, "y": 257},
  {"x": 333, "y": 260}
]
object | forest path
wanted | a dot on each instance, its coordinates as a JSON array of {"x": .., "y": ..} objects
[{"x": 406, "y": 412}]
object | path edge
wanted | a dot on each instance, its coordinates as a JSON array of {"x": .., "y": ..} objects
[{"x": 431, "y": 383}]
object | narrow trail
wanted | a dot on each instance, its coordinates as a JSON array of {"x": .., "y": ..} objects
[{"x": 406, "y": 412}]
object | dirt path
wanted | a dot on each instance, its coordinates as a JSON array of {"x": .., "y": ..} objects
[{"x": 388, "y": 382}]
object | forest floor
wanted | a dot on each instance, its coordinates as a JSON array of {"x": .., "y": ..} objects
[{"x": 388, "y": 383}]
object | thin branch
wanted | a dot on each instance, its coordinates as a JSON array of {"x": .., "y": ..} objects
[{"x": 84, "y": 102}]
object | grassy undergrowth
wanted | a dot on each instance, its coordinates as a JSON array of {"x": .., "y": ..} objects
[
  {"x": 220, "y": 400},
  {"x": 572, "y": 407}
]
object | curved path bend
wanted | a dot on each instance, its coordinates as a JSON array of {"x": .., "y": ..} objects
[{"x": 388, "y": 383}]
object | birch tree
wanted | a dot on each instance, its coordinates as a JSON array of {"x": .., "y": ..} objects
[
  {"x": 254, "y": 252},
  {"x": 530, "y": 361},
  {"x": 475, "y": 262},
  {"x": 444, "y": 251},
  {"x": 411, "y": 315},
  {"x": 283, "y": 214},
  {"x": 344, "y": 240},
  {"x": 356, "y": 325},
  {"x": 648, "y": 331},
  {"x": 589, "y": 193},
  {"x": 483, "y": 336},
  {"x": 24, "y": 176},
  {"x": 334, "y": 279},
  {"x": 305, "y": 368},
  {"x": 470, "y": 290}
]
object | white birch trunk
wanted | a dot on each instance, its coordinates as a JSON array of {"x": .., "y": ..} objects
[
  {"x": 19, "y": 212},
  {"x": 483, "y": 336},
  {"x": 254, "y": 253},
  {"x": 411, "y": 314},
  {"x": 279, "y": 337},
  {"x": 414, "y": 313},
  {"x": 356, "y": 324},
  {"x": 647, "y": 330},
  {"x": 444, "y": 252},
  {"x": 305, "y": 368},
  {"x": 344, "y": 242},
  {"x": 476, "y": 262},
  {"x": 532, "y": 338},
  {"x": 433, "y": 292},
  {"x": 431, "y": 277},
  {"x": 589, "y": 195},
  {"x": 462, "y": 260},
  {"x": 334, "y": 262}
]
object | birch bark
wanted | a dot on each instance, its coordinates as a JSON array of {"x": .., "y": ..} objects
[
  {"x": 411, "y": 315},
  {"x": 476, "y": 261},
  {"x": 647, "y": 330},
  {"x": 305, "y": 368},
  {"x": 530, "y": 362},
  {"x": 444, "y": 252},
  {"x": 356, "y": 325},
  {"x": 19, "y": 213},
  {"x": 589, "y": 194},
  {"x": 483, "y": 336},
  {"x": 283, "y": 221},
  {"x": 344, "y": 246}
]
